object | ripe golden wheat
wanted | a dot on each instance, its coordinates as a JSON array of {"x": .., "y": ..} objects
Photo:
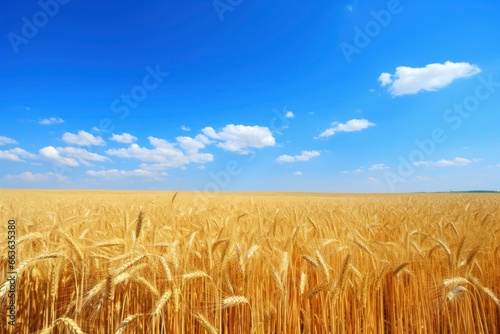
[{"x": 151, "y": 262}]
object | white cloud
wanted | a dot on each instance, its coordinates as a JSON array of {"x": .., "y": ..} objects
[
  {"x": 52, "y": 120},
  {"x": 185, "y": 128},
  {"x": 164, "y": 154},
  {"x": 289, "y": 114},
  {"x": 124, "y": 138},
  {"x": 96, "y": 129},
  {"x": 16, "y": 154},
  {"x": 7, "y": 140},
  {"x": 192, "y": 145},
  {"x": 410, "y": 80},
  {"x": 298, "y": 173},
  {"x": 304, "y": 156},
  {"x": 378, "y": 167},
  {"x": 444, "y": 163},
  {"x": 350, "y": 126},
  {"x": 163, "y": 151},
  {"x": 361, "y": 170},
  {"x": 240, "y": 138},
  {"x": 81, "y": 154},
  {"x": 115, "y": 173},
  {"x": 385, "y": 79},
  {"x": 30, "y": 177},
  {"x": 50, "y": 153},
  {"x": 83, "y": 138}
]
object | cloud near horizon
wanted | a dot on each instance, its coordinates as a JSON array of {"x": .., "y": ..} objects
[
  {"x": 37, "y": 177},
  {"x": 444, "y": 163},
  {"x": 115, "y": 173}
]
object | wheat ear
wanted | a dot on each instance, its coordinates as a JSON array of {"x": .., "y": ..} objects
[{"x": 138, "y": 225}]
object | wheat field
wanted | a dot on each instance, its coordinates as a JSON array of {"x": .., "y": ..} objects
[{"x": 165, "y": 262}]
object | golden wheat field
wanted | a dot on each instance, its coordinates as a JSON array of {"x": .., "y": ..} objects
[{"x": 165, "y": 262}]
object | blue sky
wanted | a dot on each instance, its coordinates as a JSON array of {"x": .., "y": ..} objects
[{"x": 238, "y": 95}]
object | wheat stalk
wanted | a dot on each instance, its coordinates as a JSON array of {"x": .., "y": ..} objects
[
  {"x": 125, "y": 322},
  {"x": 161, "y": 302},
  {"x": 205, "y": 323},
  {"x": 324, "y": 268}
]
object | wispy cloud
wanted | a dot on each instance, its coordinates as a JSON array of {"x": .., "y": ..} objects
[
  {"x": 185, "y": 128},
  {"x": 356, "y": 171},
  {"x": 298, "y": 173},
  {"x": 6, "y": 140},
  {"x": 289, "y": 114},
  {"x": 79, "y": 153},
  {"x": 411, "y": 80},
  {"x": 36, "y": 177},
  {"x": 83, "y": 138},
  {"x": 350, "y": 126},
  {"x": 378, "y": 167},
  {"x": 116, "y": 174},
  {"x": 444, "y": 163},
  {"x": 124, "y": 138},
  {"x": 304, "y": 156},
  {"x": 51, "y": 120},
  {"x": 16, "y": 154}
]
